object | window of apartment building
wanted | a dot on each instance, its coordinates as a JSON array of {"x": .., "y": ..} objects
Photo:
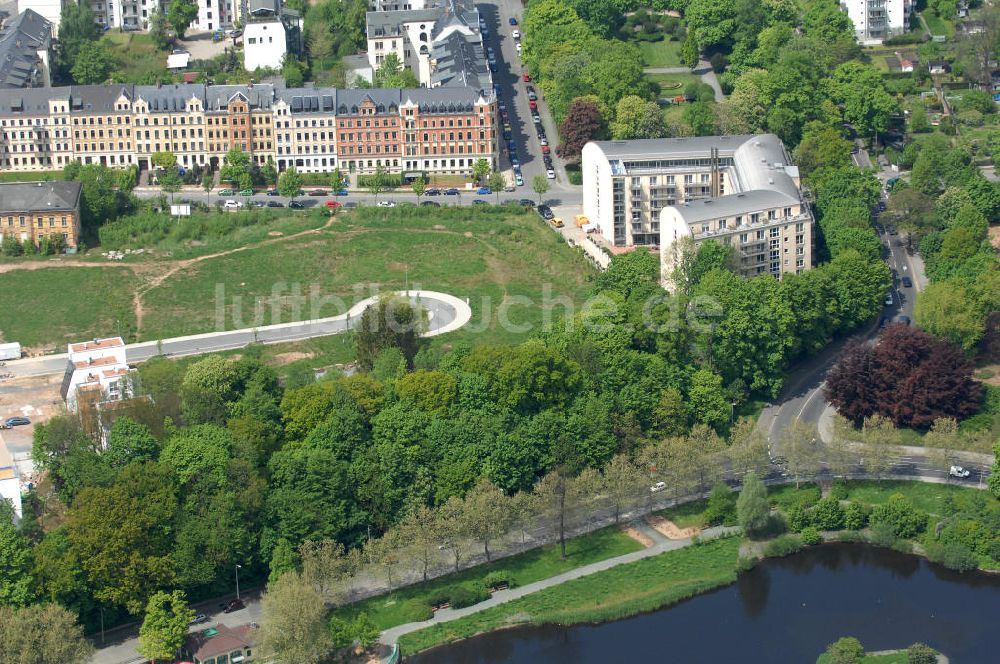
[
  {"x": 722, "y": 224},
  {"x": 775, "y": 232},
  {"x": 705, "y": 228},
  {"x": 744, "y": 237},
  {"x": 688, "y": 179},
  {"x": 770, "y": 214},
  {"x": 788, "y": 212},
  {"x": 800, "y": 251},
  {"x": 799, "y": 239},
  {"x": 799, "y": 227}
]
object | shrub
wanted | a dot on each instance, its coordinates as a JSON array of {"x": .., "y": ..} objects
[
  {"x": 958, "y": 557},
  {"x": 839, "y": 490},
  {"x": 846, "y": 650},
  {"x": 849, "y": 536},
  {"x": 462, "y": 596},
  {"x": 798, "y": 518},
  {"x": 993, "y": 550},
  {"x": 783, "y": 546},
  {"x": 855, "y": 516},
  {"x": 900, "y": 515},
  {"x": 882, "y": 535},
  {"x": 721, "y": 505},
  {"x": 920, "y": 653},
  {"x": 745, "y": 564},
  {"x": 827, "y": 515},
  {"x": 442, "y": 596},
  {"x": 810, "y": 536},
  {"x": 498, "y": 578}
]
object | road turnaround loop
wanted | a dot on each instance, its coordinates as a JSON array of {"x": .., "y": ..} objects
[{"x": 446, "y": 313}]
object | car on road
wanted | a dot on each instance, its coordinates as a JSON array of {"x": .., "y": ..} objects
[
  {"x": 536, "y": 118},
  {"x": 451, "y": 192},
  {"x": 550, "y": 174},
  {"x": 532, "y": 104},
  {"x": 246, "y": 192},
  {"x": 259, "y": 204},
  {"x": 295, "y": 205},
  {"x": 199, "y": 619},
  {"x": 275, "y": 204},
  {"x": 386, "y": 204},
  {"x": 527, "y": 202},
  {"x": 518, "y": 180},
  {"x": 484, "y": 191},
  {"x": 16, "y": 421},
  {"x": 959, "y": 472},
  {"x": 339, "y": 192},
  {"x": 531, "y": 95},
  {"x": 515, "y": 34},
  {"x": 526, "y": 77},
  {"x": 432, "y": 192},
  {"x": 493, "y": 66},
  {"x": 234, "y": 605},
  {"x": 907, "y": 282},
  {"x": 232, "y": 205},
  {"x": 430, "y": 204},
  {"x": 545, "y": 211},
  {"x": 658, "y": 487},
  {"x": 558, "y": 222},
  {"x": 888, "y": 299},
  {"x": 271, "y": 192},
  {"x": 332, "y": 205},
  {"x": 517, "y": 47},
  {"x": 227, "y": 192},
  {"x": 479, "y": 201},
  {"x": 513, "y": 21},
  {"x": 546, "y": 149}
]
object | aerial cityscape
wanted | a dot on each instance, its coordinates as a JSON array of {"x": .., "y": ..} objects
[{"x": 512, "y": 331}]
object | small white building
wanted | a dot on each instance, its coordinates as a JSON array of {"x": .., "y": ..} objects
[
  {"x": 96, "y": 372},
  {"x": 10, "y": 483},
  {"x": 877, "y": 20},
  {"x": 269, "y": 34}
]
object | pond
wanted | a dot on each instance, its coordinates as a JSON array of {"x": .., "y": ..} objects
[{"x": 784, "y": 610}]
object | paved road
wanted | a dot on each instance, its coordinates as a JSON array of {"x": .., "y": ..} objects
[
  {"x": 391, "y": 636},
  {"x": 446, "y": 313}
]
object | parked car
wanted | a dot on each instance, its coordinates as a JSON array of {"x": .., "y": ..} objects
[
  {"x": 271, "y": 192},
  {"x": 526, "y": 77},
  {"x": 546, "y": 212},
  {"x": 513, "y": 21},
  {"x": 550, "y": 174},
  {"x": 246, "y": 192},
  {"x": 558, "y": 222},
  {"x": 275, "y": 204},
  {"x": 227, "y": 192},
  {"x": 479, "y": 201},
  {"x": 232, "y": 205},
  {"x": 532, "y": 96},
  {"x": 484, "y": 191},
  {"x": 350, "y": 204},
  {"x": 259, "y": 204},
  {"x": 17, "y": 421},
  {"x": 332, "y": 205},
  {"x": 888, "y": 299},
  {"x": 959, "y": 472},
  {"x": 546, "y": 149},
  {"x": 317, "y": 192},
  {"x": 907, "y": 282},
  {"x": 386, "y": 204},
  {"x": 515, "y": 34},
  {"x": 658, "y": 487},
  {"x": 532, "y": 104},
  {"x": 903, "y": 320},
  {"x": 296, "y": 205},
  {"x": 234, "y": 605},
  {"x": 518, "y": 180},
  {"x": 509, "y": 188},
  {"x": 451, "y": 192},
  {"x": 527, "y": 202},
  {"x": 537, "y": 119},
  {"x": 340, "y": 192},
  {"x": 199, "y": 619}
]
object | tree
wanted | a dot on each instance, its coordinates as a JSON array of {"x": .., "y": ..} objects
[
  {"x": 181, "y": 14},
  {"x": 556, "y": 495},
  {"x": 393, "y": 74},
  {"x": 630, "y": 273},
  {"x": 752, "y": 509},
  {"x": 800, "y": 445},
  {"x": 496, "y": 182},
  {"x": 947, "y": 310},
  {"x": 707, "y": 401},
  {"x": 93, "y": 64},
  {"x": 700, "y": 118},
  {"x": 821, "y": 146},
  {"x": 377, "y": 181},
  {"x": 337, "y": 179},
  {"x": 130, "y": 442},
  {"x": 846, "y": 650},
  {"x": 919, "y": 653},
  {"x": 323, "y": 565},
  {"x": 207, "y": 182},
  {"x": 861, "y": 90},
  {"x": 637, "y": 118},
  {"x": 382, "y": 554},
  {"x": 480, "y": 169},
  {"x": 170, "y": 181},
  {"x": 584, "y": 122},
  {"x": 623, "y": 483},
  {"x": 289, "y": 183},
  {"x": 237, "y": 169},
  {"x": 42, "y": 634},
  {"x": 391, "y": 322},
  {"x": 164, "y": 159},
  {"x": 918, "y": 120},
  {"x": 270, "y": 172},
  {"x": 419, "y": 186},
  {"x": 899, "y": 514},
  {"x": 421, "y": 531},
  {"x": 486, "y": 514},
  {"x": 747, "y": 447},
  {"x": 158, "y": 30},
  {"x": 879, "y": 438},
  {"x": 77, "y": 27},
  {"x": 540, "y": 184},
  {"x": 293, "y": 628},
  {"x": 15, "y": 564},
  {"x": 690, "y": 50},
  {"x": 165, "y": 625}
]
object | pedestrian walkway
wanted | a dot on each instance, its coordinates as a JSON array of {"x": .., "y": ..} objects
[{"x": 391, "y": 636}]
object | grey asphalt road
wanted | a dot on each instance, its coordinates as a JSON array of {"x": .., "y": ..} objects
[{"x": 441, "y": 314}]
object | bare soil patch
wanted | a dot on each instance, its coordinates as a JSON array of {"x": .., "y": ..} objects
[
  {"x": 669, "y": 529},
  {"x": 281, "y": 359},
  {"x": 638, "y": 536}
]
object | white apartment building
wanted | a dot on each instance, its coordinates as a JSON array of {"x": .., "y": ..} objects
[
  {"x": 96, "y": 372},
  {"x": 877, "y": 20},
  {"x": 739, "y": 190},
  {"x": 269, "y": 34}
]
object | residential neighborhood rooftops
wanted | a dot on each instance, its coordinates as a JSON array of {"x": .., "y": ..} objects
[
  {"x": 21, "y": 38},
  {"x": 55, "y": 196}
]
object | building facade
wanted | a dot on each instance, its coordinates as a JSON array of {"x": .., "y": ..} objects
[
  {"x": 441, "y": 130},
  {"x": 270, "y": 32},
  {"x": 96, "y": 372},
  {"x": 33, "y": 211},
  {"x": 741, "y": 191},
  {"x": 877, "y": 20}
]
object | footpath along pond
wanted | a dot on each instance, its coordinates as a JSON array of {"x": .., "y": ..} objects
[{"x": 784, "y": 610}]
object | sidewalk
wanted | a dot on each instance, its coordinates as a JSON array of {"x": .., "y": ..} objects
[{"x": 391, "y": 636}]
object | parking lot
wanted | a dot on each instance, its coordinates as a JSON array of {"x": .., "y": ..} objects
[{"x": 37, "y": 399}]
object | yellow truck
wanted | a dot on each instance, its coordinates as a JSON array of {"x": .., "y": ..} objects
[
  {"x": 557, "y": 222},
  {"x": 581, "y": 220}
]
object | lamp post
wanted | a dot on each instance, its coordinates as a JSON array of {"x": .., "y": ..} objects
[{"x": 238, "y": 581}]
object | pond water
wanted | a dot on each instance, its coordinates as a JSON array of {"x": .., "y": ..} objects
[{"x": 784, "y": 610}]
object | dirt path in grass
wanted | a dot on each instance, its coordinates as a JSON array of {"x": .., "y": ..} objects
[{"x": 669, "y": 529}]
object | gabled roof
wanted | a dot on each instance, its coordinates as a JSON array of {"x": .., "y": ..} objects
[
  {"x": 98, "y": 98},
  {"x": 259, "y": 96},
  {"x": 54, "y": 196},
  {"x": 21, "y": 39},
  {"x": 309, "y": 100},
  {"x": 168, "y": 98}
]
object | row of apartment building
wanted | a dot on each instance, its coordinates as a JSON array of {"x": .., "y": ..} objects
[
  {"x": 742, "y": 191},
  {"x": 440, "y": 130}
]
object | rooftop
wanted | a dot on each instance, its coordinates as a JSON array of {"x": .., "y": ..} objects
[
  {"x": 218, "y": 640},
  {"x": 54, "y": 196},
  {"x": 21, "y": 38},
  {"x": 97, "y": 344}
]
